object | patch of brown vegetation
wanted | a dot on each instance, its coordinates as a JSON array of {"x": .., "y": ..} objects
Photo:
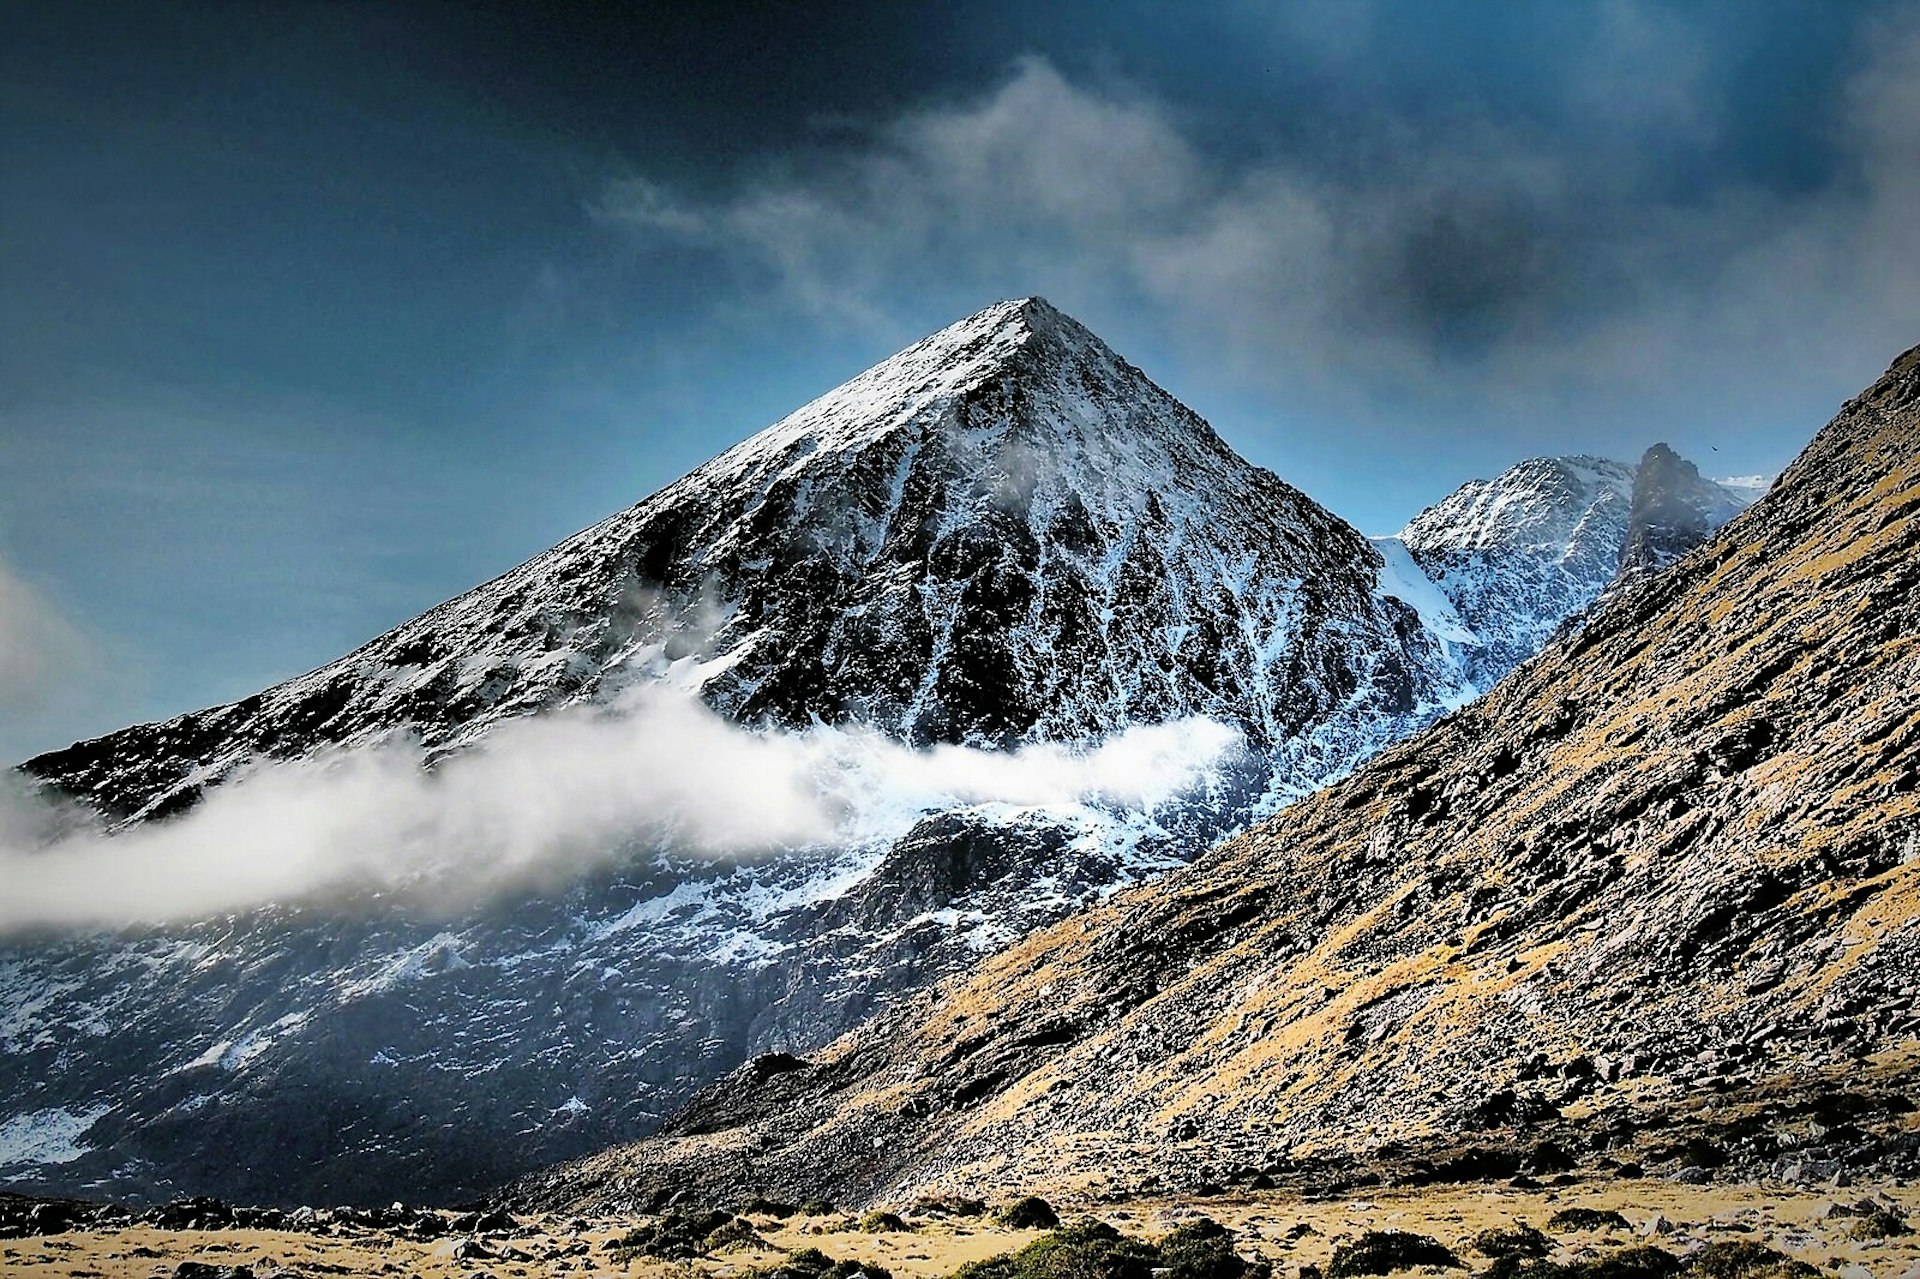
[{"x": 1292, "y": 1233}]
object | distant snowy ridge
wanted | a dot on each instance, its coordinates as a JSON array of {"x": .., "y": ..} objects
[
  {"x": 1748, "y": 488},
  {"x": 1514, "y": 557}
]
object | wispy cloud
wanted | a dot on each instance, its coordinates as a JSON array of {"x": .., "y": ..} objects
[
  {"x": 50, "y": 666},
  {"x": 38, "y": 645}
]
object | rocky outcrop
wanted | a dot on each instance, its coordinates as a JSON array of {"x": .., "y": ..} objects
[
  {"x": 1673, "y": 511},
  {"x": 1667, "y": 875}
]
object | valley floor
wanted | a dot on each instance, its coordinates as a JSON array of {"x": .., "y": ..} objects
[{"x": 1819, "y": 1227}]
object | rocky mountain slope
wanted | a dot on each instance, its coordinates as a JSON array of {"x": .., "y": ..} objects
[
  {"x": 1004, "y": 533},
  {"x": 1512, "y": 558},
  {"x": 1656, "y": 898}
]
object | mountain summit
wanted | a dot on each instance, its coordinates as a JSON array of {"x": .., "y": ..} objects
[
  {"x": 1003, "y": 533},
  {"x": 1514, "y": 558},
  {"x": 1673, "y": 511}
]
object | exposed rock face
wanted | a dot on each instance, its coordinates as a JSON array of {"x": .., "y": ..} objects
[
  {"x": 1677, "y": 853},
  {"x": 1004, "y": 533},
  {"x": 1511, "y": 559},
  {"x": 1673, "y": 511}
]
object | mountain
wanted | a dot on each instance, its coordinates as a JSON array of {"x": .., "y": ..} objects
[
  {"x": 1518, "y": 554},
  {"x": 1003, "y": 534},
  {"x": 1651, "y": 904},
  {"x": 1501, "y": 564}
]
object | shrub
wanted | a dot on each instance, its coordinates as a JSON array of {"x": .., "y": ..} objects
[
  {"x": 674, "y": 1237},
  {"x": 1645, "y": 1262},
  {"x": 1030, "y": 1213},
  {"x": 760, "y": 1206},
  {"x": 1087, "y": 1249},
  {"x": 1628, "y": 1263},
  {"x": 1091, "y": 1249},
  {"x": 817, "y": 1208},
  {"x": 1515, "y": 1266},
  {"x": 1586, "y": 1219},
  {"x": 875, "y": 1222},
  {"x": 738, "y": 1233},
  {"x": 1203, "y": 1249},
  {"x": 1381, "y": 1252},
  {"x": 811, "y": 1263},
  {"x": 1744, "y": 1259},
  {"x": 1879, "y": 1223},
  {"x": 1514, "y": 1241}
]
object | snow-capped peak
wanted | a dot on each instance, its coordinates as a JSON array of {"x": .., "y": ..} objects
[
  {"x": 1003, "y": 533},
  {"x": 932, "y": 370},
  {"x": 1077, "y": 412},
  {"x": 1517, "y": 555},
  {"x": 1539, "y": 503}
]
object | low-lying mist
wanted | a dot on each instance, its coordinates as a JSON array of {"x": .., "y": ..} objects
[{"x": 541, "y": 800}]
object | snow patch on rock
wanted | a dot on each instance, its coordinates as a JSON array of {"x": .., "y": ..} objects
[{"x": 42, "y": 1137}]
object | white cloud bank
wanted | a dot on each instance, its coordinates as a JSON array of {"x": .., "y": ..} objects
[{"x": 542, "y": 799}]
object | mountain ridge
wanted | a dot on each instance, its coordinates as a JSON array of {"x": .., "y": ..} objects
[{"x": 1520, "y": 556}]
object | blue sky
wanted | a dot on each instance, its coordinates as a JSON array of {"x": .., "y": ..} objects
[{"x": 314, "y": 315}]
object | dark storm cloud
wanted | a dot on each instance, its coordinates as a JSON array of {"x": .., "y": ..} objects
[
  {"x": 317, "y": 313},
  {"x": 1523, "y": 256}
]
